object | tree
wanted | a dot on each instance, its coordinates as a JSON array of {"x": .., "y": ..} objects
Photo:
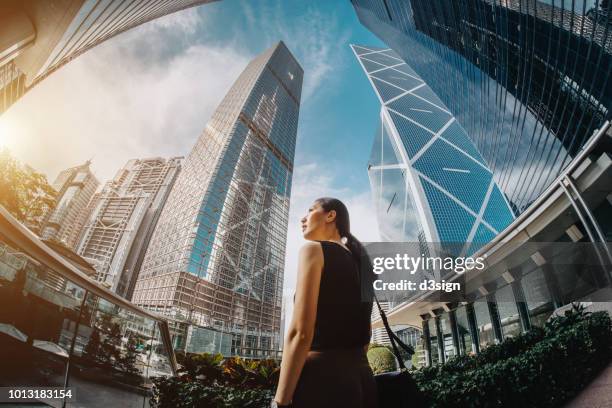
[
  {"x": 93, "y": 348},
  {"x": 111, "y": 347},
  {"x": 24, "y": 192},
  {"x": 127, "y": 362}
]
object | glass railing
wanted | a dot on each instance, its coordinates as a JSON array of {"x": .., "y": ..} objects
[{"x": 58, "y": 328}]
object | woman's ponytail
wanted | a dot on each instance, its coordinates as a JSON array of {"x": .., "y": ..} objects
[{"x": 344, "y": 229}]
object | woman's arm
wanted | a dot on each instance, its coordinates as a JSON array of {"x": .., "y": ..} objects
[{"x": 301, "y": 329}]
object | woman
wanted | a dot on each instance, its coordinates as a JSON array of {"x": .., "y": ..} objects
[{"x": 324, "y": 358}]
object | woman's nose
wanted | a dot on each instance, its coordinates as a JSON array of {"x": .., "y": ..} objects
[{"x": 303, "y": 220}]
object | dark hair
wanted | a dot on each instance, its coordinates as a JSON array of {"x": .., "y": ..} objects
[{"x": 343, "y": 224}]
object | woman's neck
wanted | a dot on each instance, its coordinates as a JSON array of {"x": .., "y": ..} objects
[{"x": 335, "y": 237}]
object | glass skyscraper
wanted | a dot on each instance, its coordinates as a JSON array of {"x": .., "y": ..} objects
[
  {"x": 216, "y": 257},
  {"x": 429, "y": 181},
  {"x": 528, "y": 80}
]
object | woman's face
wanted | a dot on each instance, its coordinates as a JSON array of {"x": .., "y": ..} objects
[{"x": 315, "y": 222}]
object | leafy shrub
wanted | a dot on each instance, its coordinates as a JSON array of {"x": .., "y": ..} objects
[
  {"x": 377, "y": 345},
  {"x": 181, "y": 392},
  {"x": 239, "y": 372},
  {"x": 509, "y": 348},
  {"x": 542, "y": 368},
  {"x": 381, "y": 360},
  {"x": 204, "y": 366},
  {"x": 210, "y": 380}
]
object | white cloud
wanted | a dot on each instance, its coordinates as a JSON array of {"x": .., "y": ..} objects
[
  {"x": 318, "y": 44},
  {"x": 322, "y": 49},
  {"x": 249, "y": 14},
  {"x": 116, "y": 102},
  {"x": 185, "y": 21}
]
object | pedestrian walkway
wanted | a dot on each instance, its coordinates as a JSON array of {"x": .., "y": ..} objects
[{"x": 598, "y": 394}]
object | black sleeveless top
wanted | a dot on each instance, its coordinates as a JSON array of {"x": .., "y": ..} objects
[{"x": 343, "y": 320}]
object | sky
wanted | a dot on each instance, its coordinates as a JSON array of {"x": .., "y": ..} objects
[{"x": 150, "y": 91}]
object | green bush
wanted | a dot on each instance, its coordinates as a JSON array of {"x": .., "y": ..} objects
[
  {"x": 376, "y": 345},
  {"x": 381, "y": 360},
  {"x": 182, "y": 392},
  {"x": 509, "y": 348},
  {"x": 243, "y": 373},
  {"x": 209, "y": 380},
  {"x": 204, "y": 366},
  {"x": 542, "y": 368}
]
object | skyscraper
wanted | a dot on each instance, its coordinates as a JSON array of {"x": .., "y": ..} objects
[
  {"x": 216, "y": 257},
  {"x": 429, "y": 181},
  {"x": 39, "y": 37},
  {"x": 380, "y": 335},
  {"x": 529, "y": 81},
  {"x": 75, "y": 187},
  {"x": 122, "y": 220}
]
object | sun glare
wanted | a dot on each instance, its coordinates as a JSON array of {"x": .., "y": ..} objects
[{"x": 6, "y": 133}]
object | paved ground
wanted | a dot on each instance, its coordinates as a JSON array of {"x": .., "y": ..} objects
[{"x": 598, "y": 394}]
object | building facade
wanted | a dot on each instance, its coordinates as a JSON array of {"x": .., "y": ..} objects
[
  {"x": 39, "y": 37},
  {"x": 122, "y": 220},
  {"x": 430, "y": 183},
  {"x": 555, "y": 253},
  {"x": 75, "y": 187},
  {"x": 379, "y": 335},
  {"x": 216, "y": 257},
  {"x": 529, "y": 81}
]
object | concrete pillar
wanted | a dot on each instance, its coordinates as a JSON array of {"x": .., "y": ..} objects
[
  {"x": 494, "y": 316},
  {"x": 471, "y": 317},
  {"x": 426, "y": 342}
]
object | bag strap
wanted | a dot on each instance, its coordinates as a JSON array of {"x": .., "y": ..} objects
[{"x": 395, "y": 340}]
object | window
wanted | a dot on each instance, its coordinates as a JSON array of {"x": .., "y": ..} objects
[{"x": 463, "y": 329}]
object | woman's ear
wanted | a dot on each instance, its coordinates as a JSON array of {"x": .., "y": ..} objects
[{"x": 331, "y": 216}]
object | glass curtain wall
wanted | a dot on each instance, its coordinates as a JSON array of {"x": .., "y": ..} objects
[
  {"x": 538, "y": 297},
  {"x": 463, "y": 329},
  {"x": 447, "y": 336},
  {"x": 53, "y": 330},
  {"x": 508, "y": 312},
  {"x": 433, "y": 342},
  {"x": 486, "y": 335}
]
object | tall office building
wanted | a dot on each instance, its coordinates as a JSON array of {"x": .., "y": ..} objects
[
  {"x": 39, "y": 37},
  {"x": 122, "y": 220},
  {"x": 75, "y": 187},
  {"x": 216, "y": 257},
  {"x": 528, "y": 80},
  {"x": 429, "y": 182},
  {"x": 379, "y": 335}
]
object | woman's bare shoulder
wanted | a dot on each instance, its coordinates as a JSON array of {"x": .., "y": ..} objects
[{"x": 312, "y": 248}]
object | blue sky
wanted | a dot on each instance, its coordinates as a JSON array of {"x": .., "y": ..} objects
[
  {"x": 150, "y": 91},
  {"x": 339, "y": 110}
]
